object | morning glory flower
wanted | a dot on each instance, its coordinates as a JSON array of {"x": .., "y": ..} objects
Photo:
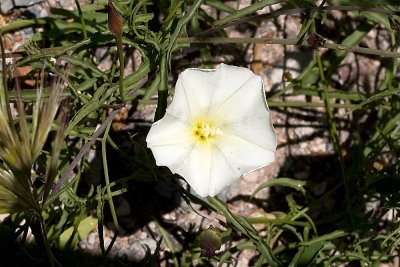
[{"x": 217, "y": 128}]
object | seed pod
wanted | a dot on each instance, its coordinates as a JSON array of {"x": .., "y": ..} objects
[
  {"x": 114, "y": 20},
  {"x": 210, "y": 241},
  {"x": 315, "y": 40}
]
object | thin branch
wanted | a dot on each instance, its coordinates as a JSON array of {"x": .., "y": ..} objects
[
  {"x": 86, "y": 147},
  {"x": 281, "y": 12},
  {"x": 334, "y": 46}
]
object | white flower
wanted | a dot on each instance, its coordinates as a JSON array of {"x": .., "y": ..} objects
[{"x": 217, "y": 128}]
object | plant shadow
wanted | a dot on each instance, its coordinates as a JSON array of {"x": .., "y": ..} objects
[{"x": 150, "y": 190}]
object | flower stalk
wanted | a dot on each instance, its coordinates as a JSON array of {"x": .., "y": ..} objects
[{"x": 116, "y": 28}]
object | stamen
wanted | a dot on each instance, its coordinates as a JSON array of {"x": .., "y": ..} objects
[{"x": 205, "y": 130}]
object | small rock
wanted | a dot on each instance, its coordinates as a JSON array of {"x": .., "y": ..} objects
[
  {"x": 136, "y": 252},
  {"x": 3, "y": 216},
  {"x": 132, "y": 239},
  {"x": 304, "y": 131},
  {"x": 93, "y": 238},
  {"x": 107, "y": 241},
  {"x": 25, "y": 2},
  {"x": 170, "y": 216},
  {"x": 150, "y": 244},
  {"x": 6, "y": 6},
  {"x": 83, "y": 244},
  {"x": 37, "y": 12},
  {"x": 143, "y": 235}
]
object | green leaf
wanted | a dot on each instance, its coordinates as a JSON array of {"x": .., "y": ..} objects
[
  {"x": 378, "y": 18},
  {"x": 377, "y": 96},
  {"x": 306, "y": 255},
  {"x": 330, "y": 236},
  {"x": 82, "y": 113},
  {"x": 243, "y": 226},
  {"x": 304, "y": 28},
  {"x": 84, "y": 64},
  {"x": 288, "y": 182},
  {"x": 246, "y": 11},
  {"x": 143, "y": 18},
  {"x": 220, "y": 6},
  {"x": 70, "y": 237}
]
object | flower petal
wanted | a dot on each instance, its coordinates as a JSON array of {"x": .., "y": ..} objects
[
  {"x": 206, "y": 170},
  {"x": 257, "y": 130},
  {"x": 195, "y": 168},
  {"x": 193, "y": 93},
  {"x": 245, "y": 155},
  {"x": 246, "y": 101},
  {"x": 223, "y": 172},
  {"x": 170, "y": 141},
  {"x": 230, "y": 80}
]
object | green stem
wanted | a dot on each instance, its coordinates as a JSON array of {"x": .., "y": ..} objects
[
  {"x": 106, "y": 177},
  {"x": 78, "y": 178},
  {"x": 82, "y": 19},
  {"x": 334, "y": 136},
  {"x": 299, "y": 104},
  {"x": 168, "y": 243},
  {"x": 49, "y": 253},
  {"x": 243, "y": 226},
  {"x": 57, "y": 51},
  {"x": 263, "y": 220},
  {"x": 284, "y": 11},
  {"x": 118, "y": 39},
  {"x": 162, "y": 90},
  {"x": 334, "y": 46}
]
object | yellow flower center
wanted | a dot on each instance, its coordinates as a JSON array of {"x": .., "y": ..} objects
[{"x": 205, "y": 130}]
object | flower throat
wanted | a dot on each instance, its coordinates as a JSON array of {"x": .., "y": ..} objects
[{"x": 204, "y": 130}]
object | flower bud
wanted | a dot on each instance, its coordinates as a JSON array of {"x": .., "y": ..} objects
[
  {"x": 210, "y": 241},
  {"x": 114, "y": 20},
  {"x": 315, "y": 40}
]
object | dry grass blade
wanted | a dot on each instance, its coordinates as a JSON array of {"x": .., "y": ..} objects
[
  {"x": 13, "y": 195},
  {"x": 46, "y": 111},
  {"x": 52, "y": 169},
  {"x": 19, "y": 148}
]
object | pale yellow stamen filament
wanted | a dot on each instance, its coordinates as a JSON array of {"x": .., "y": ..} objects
[{"x": 204, "y": 130}]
